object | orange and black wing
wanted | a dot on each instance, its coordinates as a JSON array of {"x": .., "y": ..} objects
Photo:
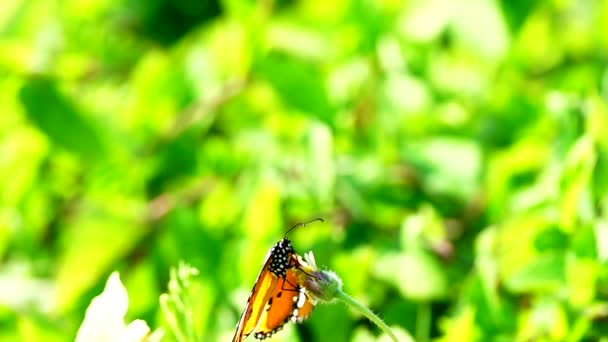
[
  {"x": 278, "y": 261},
  {"x": 288, "y": 302},
  {"x": 256, "y": 302}
]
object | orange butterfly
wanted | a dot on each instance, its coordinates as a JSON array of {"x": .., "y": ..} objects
[{"x": 276, "y": 297}]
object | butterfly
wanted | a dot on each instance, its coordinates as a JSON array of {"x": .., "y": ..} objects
[{"x": 276, "y": 297}]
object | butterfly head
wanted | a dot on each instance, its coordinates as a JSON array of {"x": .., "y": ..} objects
[
  {"x": 285, "y": 246},
  {"x": 282, "y": 252}
]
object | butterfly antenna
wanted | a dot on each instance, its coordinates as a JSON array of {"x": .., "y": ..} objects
[{"x": 302, "y": 224}]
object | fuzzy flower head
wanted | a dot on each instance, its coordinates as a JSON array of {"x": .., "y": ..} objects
[
  {"x": 325, "y": 286},
  {"x": 322, "y": 285}
]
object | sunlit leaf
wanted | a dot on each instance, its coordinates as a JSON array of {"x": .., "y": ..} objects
[{"x": 57, "y": 116}]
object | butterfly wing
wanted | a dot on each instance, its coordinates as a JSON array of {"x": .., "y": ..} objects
[
  {"x": 258, "y": 298},
  {"x": 303, "y": 307},
  {"x": 276, "y": 297},
  {"x": 288, "y": 302},
  {"x": 305, "y": 302}
]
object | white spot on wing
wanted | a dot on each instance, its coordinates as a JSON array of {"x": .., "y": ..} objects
[{"x": 302, "y": 299}]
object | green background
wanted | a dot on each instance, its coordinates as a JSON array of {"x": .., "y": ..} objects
[{"x": 458, "y": 151}]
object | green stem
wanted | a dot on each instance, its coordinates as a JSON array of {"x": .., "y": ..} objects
[
  {"x": 348, "y": 300},
  {"x": 423, "y": 322}
]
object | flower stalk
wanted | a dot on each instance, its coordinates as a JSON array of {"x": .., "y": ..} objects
[
  {"x": 348, "y": 300},
  {"x": 325, "y": 286}
]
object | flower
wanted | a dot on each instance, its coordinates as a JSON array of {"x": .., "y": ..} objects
[
  {"x": 104, "y": 319},
  {"x": 325, "y": 286},
  {"x": 321, "y": 285}
]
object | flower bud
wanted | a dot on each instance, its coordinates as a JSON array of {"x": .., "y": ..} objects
[{"x": 322, "y": 285}]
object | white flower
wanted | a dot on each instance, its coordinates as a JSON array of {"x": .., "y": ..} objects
[{"x": 104, "y": 319}]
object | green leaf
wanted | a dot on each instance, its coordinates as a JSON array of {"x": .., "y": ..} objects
[
  {"x": 55, "y": 115},
  {"x": 417, "y": 275},
  {"x": 177, "y": 304},
  {"x": 451, "y": 165},
  {"x": 321, "y": 166},
  {"x": 546, "y": 272},
  {"x": 578, "y": 170},
  {"x": 551, "y": 239},
  {"x": 582, "y": 276},
  {"x": 91, "y": 244},
  {"x": 460, "y": 327},
  {"x": 301, "y": 85}
]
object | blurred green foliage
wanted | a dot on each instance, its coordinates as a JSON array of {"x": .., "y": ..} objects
[{"x": 458, "y": 151}]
